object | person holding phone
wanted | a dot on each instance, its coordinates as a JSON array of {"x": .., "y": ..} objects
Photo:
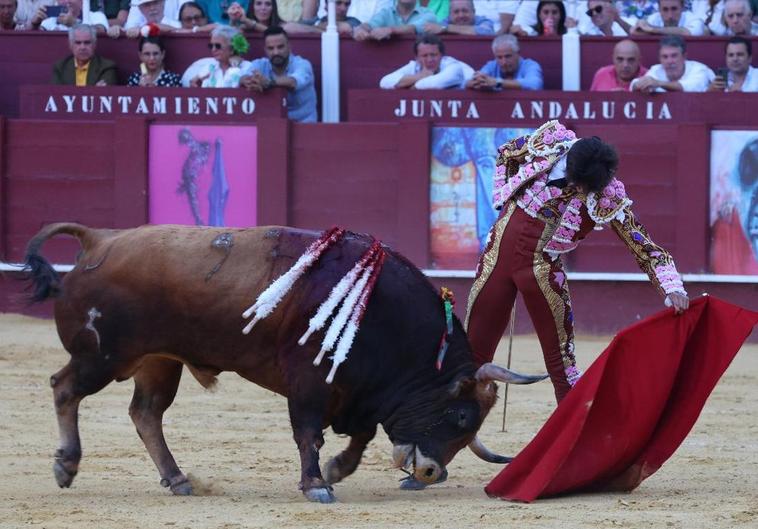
[
  {"x": 152, "y": 54},
  {"x": 738, "y": 75},
  {"x": 67, "y": 14}
]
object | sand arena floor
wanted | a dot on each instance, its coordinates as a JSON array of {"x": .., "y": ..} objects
[{"x": 237, "y": 448}]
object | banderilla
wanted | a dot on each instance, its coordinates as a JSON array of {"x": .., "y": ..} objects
[{"x": 511, "y": 325}]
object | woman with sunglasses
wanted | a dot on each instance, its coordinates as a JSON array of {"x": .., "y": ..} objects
[
  {"x": 222, "y": 70},
  {"x": 192, "y": 17},
  {"x": 604, "y": 20},
  {"x": 152, "y": 53}
]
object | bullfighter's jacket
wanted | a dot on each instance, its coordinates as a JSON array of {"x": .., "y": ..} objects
[{"x": 523, "y": 175}]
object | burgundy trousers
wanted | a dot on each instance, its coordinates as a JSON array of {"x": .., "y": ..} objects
[{"x": 512, "y": 262}]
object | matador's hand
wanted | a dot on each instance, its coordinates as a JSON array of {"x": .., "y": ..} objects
[{"x": 679, "y": 301}]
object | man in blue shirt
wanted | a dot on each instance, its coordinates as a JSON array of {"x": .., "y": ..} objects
[
  {"x": 282, "y": 68},
  {"x": 508, "y": 70},
  {"x": 405, "y": 18},
  {"x": 462, "y": 20}
]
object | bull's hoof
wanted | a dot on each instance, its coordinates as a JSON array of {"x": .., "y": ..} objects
[
  {"x": 332, "y": 473},
  {"x": 411, "y": 483},
  {"x": 182, "y": 489},
  {"x": 180, "y": 486},
  {"x": 320, "y": 495},
  {"x": 63, "y": 477}
]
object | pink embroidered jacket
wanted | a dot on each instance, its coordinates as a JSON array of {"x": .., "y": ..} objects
[{"x": 523, "y": 166}]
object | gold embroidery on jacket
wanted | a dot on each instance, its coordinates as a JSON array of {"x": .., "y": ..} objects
[{"x": 489, "y": 257}]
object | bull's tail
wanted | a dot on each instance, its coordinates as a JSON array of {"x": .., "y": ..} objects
[{"x": 46, "y": 282}]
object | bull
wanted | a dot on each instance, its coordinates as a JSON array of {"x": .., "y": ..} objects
[{"x": 143, "y": 303}]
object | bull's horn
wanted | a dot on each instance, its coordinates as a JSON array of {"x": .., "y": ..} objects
[
  {"x": 489, "y": 372},
  {"x": 484, "y": 453}
]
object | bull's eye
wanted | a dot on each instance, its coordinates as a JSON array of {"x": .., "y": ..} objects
[{"x": 462, "y": 419}]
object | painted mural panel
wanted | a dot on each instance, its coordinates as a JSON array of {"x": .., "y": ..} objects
[
  {"x": 203, "y": 175},
  {"x": 463, "y": 163},
  {"x": 734, "y": 202}
]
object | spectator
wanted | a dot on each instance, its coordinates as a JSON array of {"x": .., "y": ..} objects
[
  {"x": 192, "y": 17},
  {"x": 738, "y": 76},
  {"x": 625, "y": 68},
  {"x": 137, "y": 17},
  {"x": 500, "y": 12},
  {"x": 224, "y": 68},
  {"x": 431, "y": 69},
  {"x": 711, "y": 12},
  {"x": 603, "y": 20},
  {"x": 360, "y": 9},
  {"x": 737, "y": 18},
  {"x": 551, "y": 20},
  {"x": 462, "y": 20},
  {"x": 345, "y": 23},
  {"x": 406, "y": 18},
  {"x": 440, "y": 8},
  {"x": 152, "y": 54},
  {"x": 83, "y": 67},
  {"x": 27, "y": 11},
  {"x": 283, "y": 68},
  {"x": 7, "y": 14},
  {"x": 632, "y": 11},
  {"x": 671, "y": 19},
  {"x": 148, "y": 12},
  {"x": 260, "y": 15},
  {"x": 115, "y": 11},
  {"x": 298, "y": 10},
  {"x": 527, "y": 16},
  {"x": 71, "y": 16},
  {"x": 508, "y": 70},
  {"x": 674, "y": 73},
  {"x": 217, "y": 10}
]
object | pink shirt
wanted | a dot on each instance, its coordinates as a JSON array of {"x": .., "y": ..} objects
[{"x": 605, "y": 80}]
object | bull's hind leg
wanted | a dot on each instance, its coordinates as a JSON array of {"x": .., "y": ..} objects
[
  {"x": 342, "y": 465},
  {"x": 155, "y": 386},
  {"x": 79, "y": 378}
]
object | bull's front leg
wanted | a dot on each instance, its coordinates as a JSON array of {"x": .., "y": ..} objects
[
  {"x": 306, "y": 416},
  {"x": 70, "y": 385},
  {"x": 342, "y": 465},
  {"x": 155, "y": 386}
]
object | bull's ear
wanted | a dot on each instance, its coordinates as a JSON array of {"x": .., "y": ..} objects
[{"x": 461, "y": 386}]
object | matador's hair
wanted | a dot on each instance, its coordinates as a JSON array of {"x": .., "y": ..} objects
[{"x": 591, "y": 163}]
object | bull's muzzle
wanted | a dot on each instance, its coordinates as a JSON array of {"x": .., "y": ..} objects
[{"x": 425, "y": 469}]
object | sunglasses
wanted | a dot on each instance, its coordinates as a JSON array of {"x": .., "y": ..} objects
[
  {"x": 195, "y": 18},
  {"x": 215, "y": 46},
  {"x": 594, "y": 11}
]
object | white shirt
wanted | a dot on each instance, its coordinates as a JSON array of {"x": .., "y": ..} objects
[
  {"x": 453, "y": 74},
  {"x": 363, "y": 10},
  {"x": 170, "y": 15},
  {"x": 697, "y": 76},
  {"x": 217, "y": 78},
  {"x": 492, "y": 9},
  {"x": 93, "y": 18},
  {"x": 592, "y": 30},
  {"x": 688, "y": 21},
  {"x": 751, "y": 80}
]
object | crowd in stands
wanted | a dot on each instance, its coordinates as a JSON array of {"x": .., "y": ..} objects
[{"x": 226, "y": 22}]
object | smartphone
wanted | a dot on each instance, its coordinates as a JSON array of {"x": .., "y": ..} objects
[
  {"x": 143, "y": 68},
  {"x": 55, "y": 11},
  {"x": 723, "y": 73}
]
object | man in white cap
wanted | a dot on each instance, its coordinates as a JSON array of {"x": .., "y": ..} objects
[{"x": 162, "y": 13}]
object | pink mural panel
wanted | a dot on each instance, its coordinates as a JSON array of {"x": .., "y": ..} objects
[{"x": 203, "y": 175}]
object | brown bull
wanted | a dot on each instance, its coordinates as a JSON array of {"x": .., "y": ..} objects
[{"x": 142, "y": 303}]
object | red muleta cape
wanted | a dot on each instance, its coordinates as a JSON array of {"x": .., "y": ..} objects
[{"x": 633, "y": 407}]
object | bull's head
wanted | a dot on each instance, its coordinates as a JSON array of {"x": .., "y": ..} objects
[{"x": 427, "y": 440}]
